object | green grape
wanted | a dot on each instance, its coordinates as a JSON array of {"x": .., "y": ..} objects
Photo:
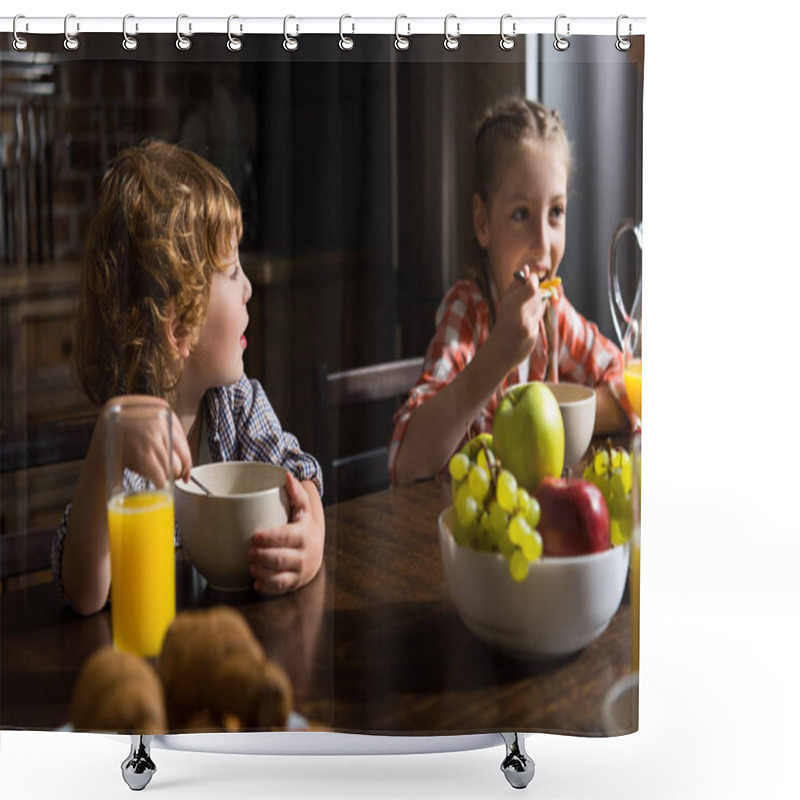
[
  {"x": 518, "y": 566},
  {"x": 626, "y": 527},
  {"x": 507, "y": 491},
  {"x": 615, "y": 532},
  {"x": 620, "y": 529},
  {"x": 620, "y": 511},
  {"x": 482, "y": 462},
  {"x": 523, "y": 501},
  {"x": 627, "y": 475},
  {"x": 486, "y": 530},
  {"x": 598, "y": 472},
  {"x": 459, "y": 466},
  {"x": 479, "y": 483},
  {"x": 621, "y": 506},
  {"x": 603, "y": 483},
  {"x": 498, "y": 518},
  {"x": 616, "y": 458},
  {"x": 477, "y": 539},
  {"x": 466, "y": 506},
  {"x": 532, "y": 546},
  {"x": 518, "y": 530},
  {"x": 534, "y": 513},
  {"x": 459, "y": 534},
  {"x": 616, "y": 486},
  {"x": 505, "y": 545},
  {"x": 601, "y": 461}
]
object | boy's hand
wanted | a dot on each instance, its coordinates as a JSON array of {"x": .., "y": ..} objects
[
  {"x": 519, "y": 313},
  {"x": 287, "y": 557},
  {"x": 146, "y": 453}
]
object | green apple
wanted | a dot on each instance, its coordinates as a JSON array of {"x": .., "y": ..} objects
[{"x": 529, "y": 434}]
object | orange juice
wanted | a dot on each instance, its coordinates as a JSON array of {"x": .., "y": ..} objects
[
  {"x": 633, "y": 384},
  {"x": 141, "y": 530}
]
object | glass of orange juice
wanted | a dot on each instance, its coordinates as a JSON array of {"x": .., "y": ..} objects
[
  {"x": 633, "y": 383},
  {"x": 141, "y": 525}
]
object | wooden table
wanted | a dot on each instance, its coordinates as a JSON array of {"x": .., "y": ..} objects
[{"x": 372, "y": 645}]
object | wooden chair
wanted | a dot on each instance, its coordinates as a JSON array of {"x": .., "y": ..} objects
[
  {"x": 25, "y": 447},
  {"x": 352, "y": 424}
]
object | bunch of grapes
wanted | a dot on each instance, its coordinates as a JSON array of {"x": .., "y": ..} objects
[
  {"x": 611, "y": 470},
  {"x": 493, "y": 514}
]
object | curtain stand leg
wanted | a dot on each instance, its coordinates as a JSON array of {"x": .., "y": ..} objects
[
  {"x": 138, "y": 768},
  {"x": 517, "y": 766}
]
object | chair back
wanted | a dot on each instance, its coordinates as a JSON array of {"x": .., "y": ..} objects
[
  {"x": 353, "y": 424},
  {"x": 26, "y": 447}
]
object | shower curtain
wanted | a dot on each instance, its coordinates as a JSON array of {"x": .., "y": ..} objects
[{"x": 354, "y": 169}]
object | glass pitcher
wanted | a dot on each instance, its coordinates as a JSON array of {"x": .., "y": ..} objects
[{"x": 628, "y": 324}]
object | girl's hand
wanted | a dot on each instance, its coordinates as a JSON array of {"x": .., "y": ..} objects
[
  {"x": 287, "y": 557},
  {"x": 146, "y": 453},
  {"x": 519, "y": 313}
]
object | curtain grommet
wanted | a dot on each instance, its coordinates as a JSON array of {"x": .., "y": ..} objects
[
  {"x": 20, "y": 43},
  {"x": 182, "y": 42},
  {"x": 289, "y": 42},
  {"x": 346, "y": 43},
  {"x": 234, "y": 43},
  {"x": 622, "y": 44},
  {"x": 507, "y": 42},
  {"x": 451, "y": 42},
  {"x": 561, "y": 43},
  {"x": 71, "y": 42},
  {"x": 129, "y": 42},
  {"x": 401, "y": 42}
]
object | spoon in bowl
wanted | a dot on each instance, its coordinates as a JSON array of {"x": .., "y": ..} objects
[{"x": 204, "y": 488}]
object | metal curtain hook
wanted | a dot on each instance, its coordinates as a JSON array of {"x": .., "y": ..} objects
[
  {"x": 623, "y": 44},
  {"x": 289, "y": 43},
  {"x": 129, "y": 42},
  {"x": 20, "y": 42},
  {"x": 507, "y": 42},
  {"x": 346, "y": 42},
  {"x": 401, "y": 42},
  {"x": 560, "y": 42},
  {"x": 70, "y": 42},
  {"x": 451, "y": 42},
  {"x": 234, "y": 43},
  {"x": 182, "y": 42}
]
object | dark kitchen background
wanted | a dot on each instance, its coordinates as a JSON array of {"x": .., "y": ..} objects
[{"x": 355, "y": 175}]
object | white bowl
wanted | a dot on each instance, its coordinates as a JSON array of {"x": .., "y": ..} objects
[
  {"x": 247, "y": 496},
  {"x": 578, "y": 406},
  {"x": 563, "y": 605}
]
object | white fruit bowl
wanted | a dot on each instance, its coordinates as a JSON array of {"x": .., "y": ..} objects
[
  {"x": 563, "y": 605},
  {"x": 217, "y": 531}
]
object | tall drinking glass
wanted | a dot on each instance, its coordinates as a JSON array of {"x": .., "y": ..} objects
[
  {"x": 141, "y": 523},
  {"x": 628, "y": 323}
]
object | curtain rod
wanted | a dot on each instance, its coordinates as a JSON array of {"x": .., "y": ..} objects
[{"x": 452, "y": 26}]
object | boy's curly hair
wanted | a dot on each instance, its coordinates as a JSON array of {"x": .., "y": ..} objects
[{"x": 166, "y": 222}]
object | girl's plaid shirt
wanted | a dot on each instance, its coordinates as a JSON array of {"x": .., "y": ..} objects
[{"x": 462, "y": 326}]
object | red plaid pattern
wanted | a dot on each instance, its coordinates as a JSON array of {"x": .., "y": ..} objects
[{"x": 462, "y": 326}]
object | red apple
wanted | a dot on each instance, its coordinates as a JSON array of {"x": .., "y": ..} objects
[{"x": 574, "y": 518}]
